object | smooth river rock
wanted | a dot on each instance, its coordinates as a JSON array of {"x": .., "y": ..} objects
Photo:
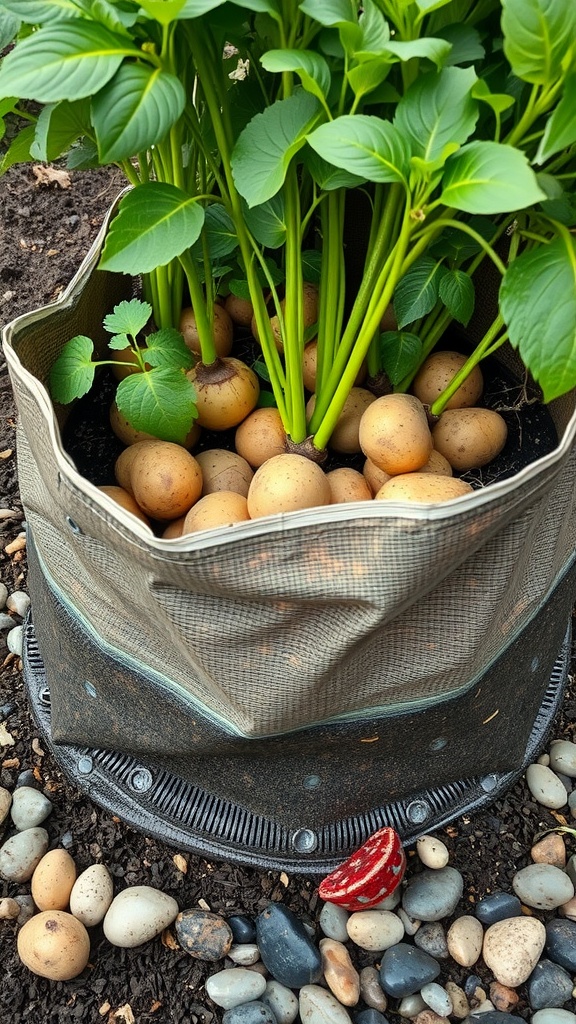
[
  {"x": 512, "y": 949},
  {"x": 561, "y": 943},
  {"x": 20, "y": 854},
  {"x": 242, "y": 927},
  {"x": 550, "y": 850},
  {"x": 286, "y": 948},
  {"x": 542, "y": 886},
  {"x": 431, "y": 937},
  {"x": 333, "y": 921},
  {"x": 234, "y": 986},
  {"x": 254, "y": 1012},
  {"x": 371, "y": 989},
  {"x": 432, "y": 852},
  {"x": 549, "y": 985},
  {"x": 29, "y": 808},
  {"x": 340, "y": 974},
  {"x": 137, "y": 915},
  {"x": 5, "y": 801},
  {"x": 92, "y": 894},
  {"x": 405, "y": 969},
  {"x": 437, "y": 998},
  {"x": 563, "y": 758},
  {"x": 554, "y": 1016},
  {"x": 464, "y": 940},
  {"x": 317, "y": 1006},
  {"x": 545, "y": 786},
  {"x": 282, "y": 1002},
  {"x": 204, "y": 935},
  {"x": 432, "y": 895},
  {"x": 497, "y": 906},
  {"x": 375, "y": 930},
  {"x": 245, "y": 954}
]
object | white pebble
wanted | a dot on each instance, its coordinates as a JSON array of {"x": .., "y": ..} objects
[
  {"x": 21, "y": 853},
  {"x": 464, "y": 940},
  {"x": 563, "y": 758},
  {"x": 19, "y": 603},
  {"x": 5, "y": 801},
  {"x": 545, "y": 786},
  {"x": 282, "y": 1002},
  {"x": 389, "y": 902},
  {"x": 316, "y": 1004},
  {"x": 92, "y": 894},
  {"x": 437, "y": 999},
  {"x": 411, "y": 1006},
  {"x": 375, "y": 930},
  {"x": 486, "y": 1006},
  {"x": 29, "y": 807},
  {"x": 15, "y": 640},
  {"x": 554, "y": 1015},
  {"x": 6, "y": 621},
  {"x": 543, "y": 886},
  {"x": 137, "y": 915},
  {"x": 3, "y": 594},
  {"x": 512, "y": 949},
  {"x": 244, "y": 953},
  {"x": 544, "y": 759},
  {"x": 233, "y": 986},
  {"x": 432, "y": 852}
]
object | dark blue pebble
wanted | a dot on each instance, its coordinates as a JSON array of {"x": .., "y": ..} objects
[
  {"x": 286, "y": 949},
  {"x": 26, "y": 778},
  {"x": 405, "y": 969},
  {"x": 498, "y": 906},
  {"x": 549, "y": 985},
  {"x": 561, "y": 943},
  {"x": 242, "y": 927},
  {"x": 493, "y": 1017},
  {"x": 370, "y": 1017},
  {"x": 471, "y": 984},
  {"x": 254, "y": 1012}
]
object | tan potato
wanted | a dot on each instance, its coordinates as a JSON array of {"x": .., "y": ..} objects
[
  {"x": 286, "y": 483},
  {"x": 423, "y": 488},
  {"x": 123, "y": 465},
  {"x": 310, "y": 314},
  {"x": 347, "y": 485},
  {"x": 310, "y": 364},
  {"x": 437, "y": 464},
  {"x": 122, "y": 357},
  {"x": 470, "y": 438},
  {"x": 436, "y": 373},
  {"x": 166, "y": 480},
  {"x": 223, "y": 330},
  {"x": 54, "y": 945},
  {"x": 220, "y": 508},
  {"x": 226, "y": 393},
  {"x": 129, "y": 435},
  {"x": 394, "y": 434},
  {"x": 260, "y": 436},
  {"x": 374, "y": 476},
  {"x": 174, "y": 529},
  {"x": 125, "y": 500},
  {"x": 239, "y": 310},
  {"x": 224, "y": 471},
  {"x": 345, "y": 436}
]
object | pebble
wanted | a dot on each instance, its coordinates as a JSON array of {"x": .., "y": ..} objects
[
  {"x": 5, "y": 802},
  {"x": 405, "y": 969},
  {"x": 486, "y": 1006},
  {"x": 548, "y": 985},
  {"x": 371, "y": 989},
  {"x": 29, "y": 808},
  {"x": 569, "y": 909},
  {"x": 437, "y": 998},
  {"x": 9, "y": 909},
  {"x": 244, "y": 953},
  {"x": 285, "y": 947},
  {"x": 233, "y": 986},
  {"x": 554, "y": 1016},
  {"x": 561, "y": 943},
  {"x": 242, "y": 927},
  {"x": 389, "y": 902},
  {"x": 512, "y": 949},
  {"x": 542, "y": 886},
  {"x": 3, "y": 594},
  {"x": 429, "y": 1017},
  {"x": 431, "y": 937},
  {"x": 6, "y": 621},
  {"x": 317, "y": 1006},
  {"x": 340, "y": 974},
  {"x": 545, "y": 786},
  {"x": 460, "y": 1004},
  {"x": 563, "y": 758},
  {"x": 21, "y": 853},
  {"x": 498, "y": 906},
  {"x": 411, "y": 925},
  {"x": 370, "y": 1016},
  {"x": 282, "y": 1002},
  {"x": 15, "y": 641},
  {"x": 472, "y": 983},
  {"x": 18, "y": 602},
  {"x": 432, "y": 852},
  {"x": 411, "y": 1006},
  {"x": 502, "y": 997},
  {"x": 333, "y": 922},
  {"x": 253, "y": 1012},
  {"x": 464, "y": 940},
  {"x": 137, "y": 915},
  {"x": 572, "y": 803},
  {"x": 375, "y": 930},
  {"x": 432, "y": 895},
  {"x": 550, "y": 850},
  {"x": 92, "y": 894},
  {"x": 204, "y": 935},
  {"x": 571, "y": 868},
  {"x": 493, "y": 1017}
]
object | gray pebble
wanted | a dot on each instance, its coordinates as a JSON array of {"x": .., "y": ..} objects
[
  {"x": 554, "y": 1016},
  {"x": 282, "y": 1002},
  {"x": 21, "y": 853},
  {"x": 405, "y": 969},
  {"x": 230, "y": 988},
  {"x": 3, "y": 594},
  {"x": 19, "y": 603},
  {"x": 411, "y": 1006},
  {"x": 244, "y": 954},
  {"x": 6, "y": 621},
  {"x": 253, "y": 1012},
  {"x": 431, "y": 937},
  {"x": 548, "y": 985},
  {"x": 411, "y": 925},
  {"x": 27, "y": 909},
  {"x": 437, "y": 998},
  {"x": 542, "y": 886},
  {"x": 433, "y": 894},
  {"x": 572, "y": 803},
  {"x": 371, "y": 990},
  {"x": 15, "y": 640},
  {"x": 29, "y": 808},
  {"x": 498, "y": 906},
  {"x": 333, "y": 921},
  {"x": 545, "y": 786}
]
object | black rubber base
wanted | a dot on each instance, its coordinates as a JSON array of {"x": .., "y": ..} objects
[{"x": 163, "y": 805}]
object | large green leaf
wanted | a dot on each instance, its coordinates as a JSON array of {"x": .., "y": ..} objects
[
  {"x": 40, "y": 12},
  {"x": 264, "y": 149},
  {"x": 363, "y": 145},
  {"x": 65, "y": 62},
  {"x": 538, "y": 34},
  {"x": 326, "y": 176},
  {"x": 489, "y": 177},
  {"x": 268, "y": 222},
  {"x": 311, "y": 68},
  {"x": 135, "y": 111},
  {"x": 436, "y": 50},
  {"x": 437, "y": 110},
  {"x": 58, "y": 126},
  {"x": 560, "y": 131},
  {"x": 417, "y": 292},
  {"x": 538, "y": 303},
  {"x": 271, "y": 7},
  {"x": 18, "y": 151},
  {"x": 72, "y": 375},
  {"x": 159, "y": 402},
  {"x": 330, "y": 12},
  {"x": 167, "y": 347},
  {"x": 155, "y": 223},
  {"x": 9, "y": 28},
  {"x": 457, "y": 293},
  {"x": 373, "y": 36},
  {"x": 219, "y": 233},
  {"x": 465, "y": 42},
  {"x": 400, "y": 353}
]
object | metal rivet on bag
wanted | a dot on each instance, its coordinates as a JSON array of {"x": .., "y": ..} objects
[
  {"x": 90, "y": 688},
  {"x": 439, "y": 743},
  {"x": 418, "y": 811},
  {"x": 489, "y": 783},
  {"x": 140, "y": 780},
  {"x": 73, "y": 526},
  {"x": 44, "y": 696},
  {"x": 312, "y": 782},
  {"x": 85, "y": 765},
  {"x": 304, "y": 840}
]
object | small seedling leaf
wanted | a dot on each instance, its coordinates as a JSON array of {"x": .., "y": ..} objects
[
  {"x": 457, "y": 293},
  {"x": 417, "y": 292},
  {"x": 128, "y": 317},
  {"x": 400, "y": 353},
  {"x": 159, "y": 402},
  {"x": 168, "y": 348},
  {"x": 73, "y": 372},
  {"x": 118, "y": 342},
  {"x": 259, "y": 367}
]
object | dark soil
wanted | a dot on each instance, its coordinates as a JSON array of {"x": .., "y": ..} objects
[{"x": 45, "y": 231}]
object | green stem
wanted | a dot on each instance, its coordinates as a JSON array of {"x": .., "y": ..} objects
[
  {"x": 293, "y": 339},
  {"x": 205, "y": 336},
  {"x": 479, "y": 353}
]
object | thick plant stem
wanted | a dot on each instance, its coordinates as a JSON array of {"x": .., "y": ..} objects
[
  {"x": 205, "y": 336},
  {"x": 293, "y": 312},
  {"x": 479, "y": 353},
  {"x": 332, "y": 277}
]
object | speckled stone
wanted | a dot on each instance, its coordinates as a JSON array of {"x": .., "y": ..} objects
[
  {"x": 340, "y": 974},
  {"x": 561, "y": 943},
  {"x": 317, "y": 1006},
  {"x": 549, "y": 985},
  {"x": 286, "y": 948},
  {"x": 371, "y": 990},
  {"x": 460, "y": 1004},
  {"x": 464, "y": 940},
  {"x": 563, "y": 758},
  {"x": 512, "y": 949},
  {"x": 245, "y": 954},
  {"x": 282, "y": 1002},
  {"x": 545, "y": 786},
  {"x": 29, "y": 808},
  {"x": 542, "y": 886},
  {"x": 375, "y": 930},
  {"x": 405, "y": 969},
  {"x": 411, "y": 1006},
  {"x": 431, "y": 938},
  {"x": 204, "y": 935},
  {"x": 432, "y": 852},
  {"x": 253, "y": 1012},
  {"x": 20, "y": 854}
]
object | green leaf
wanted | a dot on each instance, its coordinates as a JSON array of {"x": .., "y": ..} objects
[
  {"x": 457, "y": 293},
  {"x": 263, "y": 152},
  {"x": 82, "y": 157},
  {"x": 260, "y": 368},
  {"x": 437, "y": 110},
  {"x": 538, "y": 35},
  {"x": 154, "y": 224},
  {"x": 498, "y": 101},
  {"x": 311, "y": 67},
  {"x": 135, "y": 110},
  {"x": 219, "y": 232},
  {"x": 57, "y": 127},
  {"x": 267, "y": 222},
  {"x": 114, "y": 18},
  {"x": 9, "y": 28},
  {"x": 159, "y": 402},
  {"x": 363, "y": 145},
  {"x": 326, "y": 176},
  {"x": 489, "y": 177},
  {"x": 271, "y": 7},
  {"x": 18, "y": 151},
  {"x": 365, "y": 78},
  {"x": 538, "y": 303},
  {"x": 417, "y": 292},
  {"x": 426, "y": 6},
  {"x": 128, "y": 317},
  {"x": 38, "y": 12},
  {"x": 66, "y": 62},
  {"x": 119, "y": 342},
  {"x": 72, "y": 374},
  {"x": 560, "y": 131},
  {"x": 266, "y": 400},
  {"x": 163, "y": 11},
  {"x": 465, "y": 42},
  {"x": 400, "y": 353},
  {"x": 311, "y": 265},
  {"x": 436, "y": 50},
  {"x": 330, "y": 12},
  {"x": 167, "y": 347},
  {"x": 196, "y": 8},
  {"x": 240, "y": 288},
  {"x": 374, "y": 33},
  {"x": 458, "y": 245}
]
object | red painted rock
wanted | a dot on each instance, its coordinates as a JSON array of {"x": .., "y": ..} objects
[{"x": 369, "y": 875}]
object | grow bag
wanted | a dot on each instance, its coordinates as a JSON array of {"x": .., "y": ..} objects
[{"x": 306, "y": 667}]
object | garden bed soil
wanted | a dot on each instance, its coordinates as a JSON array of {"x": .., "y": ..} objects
[{"x": 47, "y": 227}]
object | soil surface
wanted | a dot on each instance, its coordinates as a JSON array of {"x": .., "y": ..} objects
[{"x": 46, "y": 228}]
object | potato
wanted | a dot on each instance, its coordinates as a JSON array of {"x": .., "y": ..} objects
[
  {"x": 54, "y": 945},
  {"x": 345, "y": 436},
  {"x": 222, "y": 332},
  {"x": 437, "y": 464},
  {"x": 374, "y": 476},
  {"x": 165, "y": 479},
  {"x": 239, "y": 310},
  {"x": 174, "y": 529},
  {"x": 129, "y": 435},
  {"x": 436, "y": 373},
  {"x": 470, "y": 438},
  {"x": 224, "y": 471},
  {"x": 394, "y": 434},
  {"x": 125, "y": 500},
  {"x": 221, "y": 508},
  {"x": 423, "y": 488},
  {"x": 310, "y": 314},
  {"x": 123, "y": 465},
  {"x": 347, "y": 485},
  {"x": 226, "y": 392},
  {"x": 309, "y": 367},
  {"x": 260, "y": 436},
  {"x": 286, "y": 483},
  {"x": 122, "y": 357}
]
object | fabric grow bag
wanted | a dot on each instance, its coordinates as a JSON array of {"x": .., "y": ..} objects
[{"x": 309, "y": 666}]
